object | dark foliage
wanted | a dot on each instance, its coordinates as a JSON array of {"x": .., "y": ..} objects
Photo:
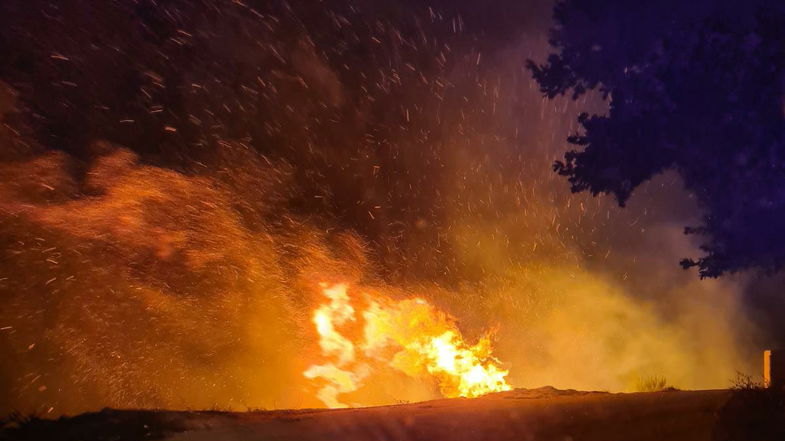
[
  {"x": 691, "y": 86},
  {"x": 753, "y": 413}
]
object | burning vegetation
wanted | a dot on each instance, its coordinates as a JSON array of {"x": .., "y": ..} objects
[{"x": 409, "y": 336}]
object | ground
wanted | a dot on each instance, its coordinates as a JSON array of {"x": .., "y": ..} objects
[{"x": 544, "y": 414}]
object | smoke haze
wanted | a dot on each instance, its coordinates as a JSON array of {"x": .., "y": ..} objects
[{"x": 165, "y": 221}]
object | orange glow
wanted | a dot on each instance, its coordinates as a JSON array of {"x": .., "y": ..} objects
[{"x": 410, "y": 336}]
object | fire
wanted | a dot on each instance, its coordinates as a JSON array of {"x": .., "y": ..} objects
[{"x": 410, "y": 336}]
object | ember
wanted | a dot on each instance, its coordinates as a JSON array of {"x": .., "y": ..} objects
[{"x": 177, "y": 176}]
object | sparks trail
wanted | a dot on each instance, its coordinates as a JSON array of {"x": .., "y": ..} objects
[{"x": 410, "y": 336}]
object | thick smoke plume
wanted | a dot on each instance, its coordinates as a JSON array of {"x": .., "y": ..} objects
[{"x": 165, "y": 222}]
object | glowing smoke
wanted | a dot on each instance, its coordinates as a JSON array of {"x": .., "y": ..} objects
[{"x": 188, "y": 280}]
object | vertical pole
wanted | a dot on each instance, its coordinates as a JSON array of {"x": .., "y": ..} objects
[
  {"x": 767, "y": 368},
  {"x": 774, "y": 368}
]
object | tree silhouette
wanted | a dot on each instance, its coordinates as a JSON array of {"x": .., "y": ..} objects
[{"x": 692, "y": 86}]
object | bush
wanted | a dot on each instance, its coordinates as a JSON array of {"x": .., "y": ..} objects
[
  {"x": 753, "y": 413},
  {"x": 654, "y": 383}
]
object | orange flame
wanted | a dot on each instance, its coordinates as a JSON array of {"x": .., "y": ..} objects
[{"x": 410, "y": 336}]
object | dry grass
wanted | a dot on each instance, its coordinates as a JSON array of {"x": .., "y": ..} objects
[{"x": 654, "y": 383}]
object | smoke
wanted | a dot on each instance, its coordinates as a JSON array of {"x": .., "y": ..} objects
[
  {"x": 153, "y": 291},
  {"x": 165, "y": 250}
]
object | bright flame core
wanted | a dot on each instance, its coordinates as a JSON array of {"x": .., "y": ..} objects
[{"x": 410, "y": 336}]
